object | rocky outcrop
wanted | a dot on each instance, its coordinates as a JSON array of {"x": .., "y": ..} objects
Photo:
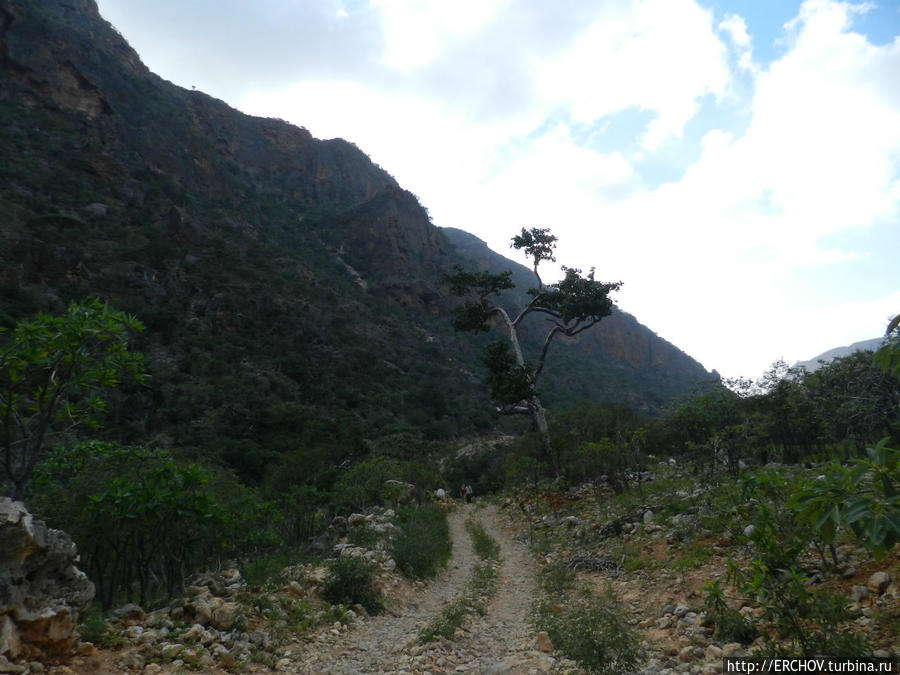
[{"x": 41, "y": 589}]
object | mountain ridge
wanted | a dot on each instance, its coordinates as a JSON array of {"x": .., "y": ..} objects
[
  {"x": 290, "y": 287},
  {"x": 811, "y": 365}
]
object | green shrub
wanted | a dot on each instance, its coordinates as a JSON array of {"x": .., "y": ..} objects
[
  {"x": 593, "y": 630},
  {"x": 142, "y": 519},
  {"x": 94, "y": 628},
  {"x": 349, "y": 582},
  {"x": 730, "y": 624},
  {"x": 863, "y": 498},
  {"x": 423, "y": 544},
  {"x": 445, "y": 622},
  {"x": 556, "y": 580}
]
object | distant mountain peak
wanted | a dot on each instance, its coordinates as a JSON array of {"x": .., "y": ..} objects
[{"x": 814, "y": 364}]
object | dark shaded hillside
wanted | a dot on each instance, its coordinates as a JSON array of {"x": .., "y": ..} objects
[
  {"x": 232, "y": 238},
  {"x": 289, "y": 286}
]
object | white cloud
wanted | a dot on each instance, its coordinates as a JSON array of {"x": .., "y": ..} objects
[
  {"x": 418, "y": 31},
  {"x": 736, "y": 29},
  {"x": 658, "y": 55},
  {"x": 704, "y": 258}
]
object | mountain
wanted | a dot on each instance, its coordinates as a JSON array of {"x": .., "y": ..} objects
[
  {"x": 839, "y": 352},
  {"x": 290, "y": 287}
]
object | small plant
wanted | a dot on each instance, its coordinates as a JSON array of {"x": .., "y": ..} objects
[
  {"x": 349, "y": 581},
  {"x": 557, "y": 580},
  {"x": 805, "y": 623},
  {"x": 593, "y": 630},
  {"x": 365, "y": 536},
  {"x": 730, "y": 624},
  {"x": 863, "y": 498},
  {"x": 423, "y": 544},
  {"x": 94, "y": 628},
  {"x": 445, "y": 622}
]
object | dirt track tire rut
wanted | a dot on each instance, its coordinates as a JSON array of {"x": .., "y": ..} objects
[{"x": 501, "y": 641}]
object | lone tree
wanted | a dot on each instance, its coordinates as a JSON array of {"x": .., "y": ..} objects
[
  {"x": 53, "y": 372},
  {"x": 571, "y": 306}
]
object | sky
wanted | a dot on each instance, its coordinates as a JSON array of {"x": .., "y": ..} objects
[{"x": 736, "y": 163}]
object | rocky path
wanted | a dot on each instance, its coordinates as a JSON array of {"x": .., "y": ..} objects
[{"x": 501, "y": 641}]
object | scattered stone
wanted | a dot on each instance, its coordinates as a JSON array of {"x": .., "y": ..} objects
[
  {"x": 543, "y": 642},
  {"x": 648, "y": 517},
  {"x": 732, "y": 649},
  {"x": 879, "y": 582},
  {"x": 225, "y": 616},
  {"x": 132, "y": 661},
  {"x": 129, "y": 612},
  {"x": 713, "y": 653},
  {"x": 7, "y": 667},
  {"x": 859, "y": 593},
  {"x": 357, "y": 520}
]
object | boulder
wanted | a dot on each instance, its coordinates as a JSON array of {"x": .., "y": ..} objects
[
  {"x": 859, "y": 593},
  {"x": 543, "y": 642},
  {"x": 42, "y": 591},
  {"x": 879, "y": 582},
  {"x": 224, "y": 617}
]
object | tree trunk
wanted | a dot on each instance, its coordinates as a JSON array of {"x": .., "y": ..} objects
[
  {"x": 538, "y": 414},
  {"x": 539, "y": 419}
]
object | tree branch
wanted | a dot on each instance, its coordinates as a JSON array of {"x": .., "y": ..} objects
[
  {"x": 540, "y": 364},
  {"x": 513, "y": 410}
]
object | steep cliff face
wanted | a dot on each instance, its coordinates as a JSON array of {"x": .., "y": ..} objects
[{"x": 64, "y": 58}]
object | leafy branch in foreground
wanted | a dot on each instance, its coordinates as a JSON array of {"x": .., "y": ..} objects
[{"x": 53, "y": 372}]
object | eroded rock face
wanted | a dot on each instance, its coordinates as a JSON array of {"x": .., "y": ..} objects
[{"x": 41, "y": 589}]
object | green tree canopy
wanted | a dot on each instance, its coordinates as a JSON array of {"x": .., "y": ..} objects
[
  {"x": 572, "y": 305},
  {"x": 53, "y": 372}
]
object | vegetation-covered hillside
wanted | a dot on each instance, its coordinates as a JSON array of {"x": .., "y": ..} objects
[{"x": 290, "y": 288}]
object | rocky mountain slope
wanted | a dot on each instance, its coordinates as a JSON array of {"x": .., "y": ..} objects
[
  {"x": 814, "y": 363},
  {"x": 290, "y": 287}
]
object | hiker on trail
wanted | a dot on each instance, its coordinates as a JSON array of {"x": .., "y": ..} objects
[
  {"x": 462, "y": 492},
  {"x": 468, "y": 493}
]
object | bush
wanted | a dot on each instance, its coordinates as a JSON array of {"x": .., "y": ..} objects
[
  {"x": 142, "y": 519},
  {"x": 730, "y": 624},
  {"x": 423, "y": 544},
  {"x": 593, "y": 630},
  {"x": 349, "y": 582}
]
